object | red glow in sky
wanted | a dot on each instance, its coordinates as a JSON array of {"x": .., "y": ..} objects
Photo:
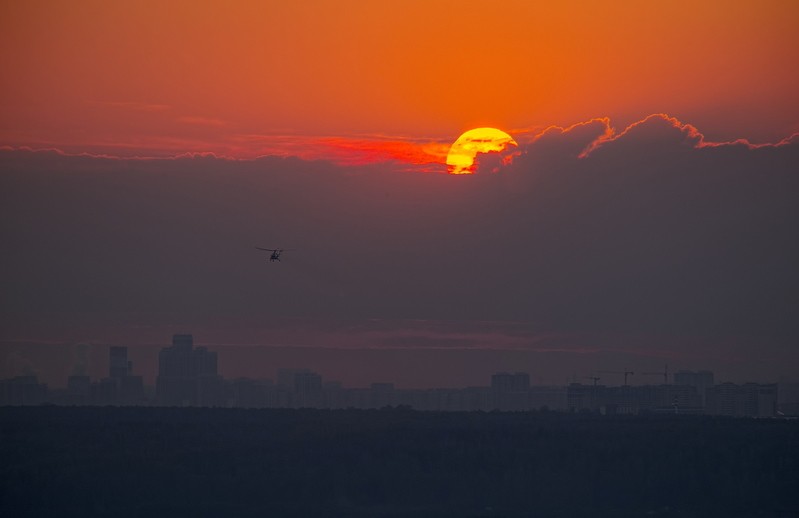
[{"x": 361, "y": 82}]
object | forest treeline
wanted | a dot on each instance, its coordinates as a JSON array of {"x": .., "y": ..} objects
[{"x": 134, "y": 461}]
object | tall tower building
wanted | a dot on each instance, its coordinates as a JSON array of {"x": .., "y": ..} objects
[
  {"x": 187, "y": 375},
  {"x": 118, "y": 365}
]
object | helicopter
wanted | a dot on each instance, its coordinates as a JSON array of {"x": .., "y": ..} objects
[{"x": 275, "y": 253}]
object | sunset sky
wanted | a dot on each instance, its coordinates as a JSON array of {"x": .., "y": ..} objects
[
  {"x": 325, "y": 79},
  {"x": 647, "y": 216}
]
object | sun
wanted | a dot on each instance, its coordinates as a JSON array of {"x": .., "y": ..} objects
[{"x": 462, "y": 154}]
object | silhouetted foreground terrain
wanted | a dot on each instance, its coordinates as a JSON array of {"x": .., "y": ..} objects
[{"x": 59, "y": 461}]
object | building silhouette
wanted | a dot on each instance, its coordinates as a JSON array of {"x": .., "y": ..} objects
[
  {"x": 511, "y": 391},
  {"x": 118, "y": 364},
  {"x": 251, "y": 393},
  {"x": 747, "y": 400},
  {"x": 702, "y": 380},
  {"x": 23, "y": 390},
  {"x": 299, "y": 388},
  {"x": 187, "y": 376},
  {"x": 78, "y": 389},
  {"x": 627, "y": 399},
  {"x": 121, "y": 387}
]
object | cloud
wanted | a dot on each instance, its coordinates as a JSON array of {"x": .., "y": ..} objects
[
  {"x": 653, "y": 231},
  {"x": 133, "y": 106},
  {"x": 351, "y": 151},
  {"x": 202, "y": 121},
  {"x": 416, "y": 156},
  {"x": 660, "y": 130},
  {"x": 402, "y": 153}
]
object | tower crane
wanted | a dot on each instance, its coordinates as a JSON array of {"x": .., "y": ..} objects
[
  {"x": 593, "y": 378},
  {"x": 664, "y": 373},
  {"x": 625, "y": 373}
]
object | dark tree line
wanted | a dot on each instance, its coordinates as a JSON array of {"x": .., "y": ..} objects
[{"x": 392, "y": 462}]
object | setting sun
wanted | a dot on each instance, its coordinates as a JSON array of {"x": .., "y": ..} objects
[{"x": 462, "y": 154}]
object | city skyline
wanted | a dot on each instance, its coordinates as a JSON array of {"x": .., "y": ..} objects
[
  {"x": 189, "y": 376},
  {"x": 646, "y": 215},
  {"x": 373, "y": 258},
  {"x": 443, "y": 367}
]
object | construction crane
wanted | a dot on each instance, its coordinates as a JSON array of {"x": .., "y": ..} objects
[
  {"x": 594, "y": 378},
  {"x": 665, "y": 374},
  {"x": 625, "y": 373}
]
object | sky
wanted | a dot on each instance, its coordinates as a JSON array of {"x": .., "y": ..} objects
[
  {"x": 647, "y": 216},
  {"x": 235, "y": 78}
]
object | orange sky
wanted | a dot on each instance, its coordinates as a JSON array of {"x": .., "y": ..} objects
[{"x": 246, "y": 78}]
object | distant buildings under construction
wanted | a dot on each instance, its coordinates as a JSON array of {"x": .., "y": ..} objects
[{"x": 188, "y": 376}]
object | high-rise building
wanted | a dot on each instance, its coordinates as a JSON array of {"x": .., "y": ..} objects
[
  {"x": 121, "y": 387},
  {"x": 188, "y": 375},
  {"x": 307, "y": 389},
  {"x": 511, "y": 391},
  {"x": 702, "y": 380},
  {"x": 507, "y": 382},
  {"x": 580, "y": 397},
  {"x": 286, "y": 378},
  {"x": 22, "y": 390},
  {"x": 747, "y": 400},
  {"x": 307, "y": 382},
  {"x": 118, "y": 365}
]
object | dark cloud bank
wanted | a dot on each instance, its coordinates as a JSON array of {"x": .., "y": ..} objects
[{"x": 648, "y": 234}]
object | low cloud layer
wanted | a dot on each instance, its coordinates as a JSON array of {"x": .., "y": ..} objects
[{"x": 650, "y": 230}]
